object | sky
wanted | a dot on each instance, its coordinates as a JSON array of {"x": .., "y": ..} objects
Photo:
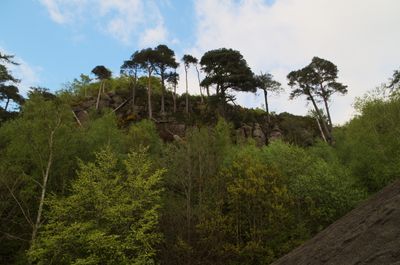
[{"x": 56, "y": 40}]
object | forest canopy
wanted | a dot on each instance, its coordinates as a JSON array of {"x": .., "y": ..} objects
[{"x": 123, "y": 170}]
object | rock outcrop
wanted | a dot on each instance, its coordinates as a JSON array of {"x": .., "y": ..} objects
[{"x": 256, "y": 132}]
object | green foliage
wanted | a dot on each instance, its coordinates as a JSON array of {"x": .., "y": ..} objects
[
  {"x": 267, "y": 83},
  {"x": 370, "y": 145},
  {"x": 317, "y": 81},
  {"x": 8, "y": 90},
  {"x": 111, "y": 216},
  {"x": 298, "y": 130},
  {"x": 28, "y": 149},
  {"x": 101, "y": 72},
  {"x": 321, "y": 188},
  {"x": 192, "y": 168},
  {"x": 246, "y": 215},
  {"x": 215, "y": 202},
  {"x": 227, "y": 69},
  {"x": 104, "y": 131},
  {"x": 144, "y": 134}
]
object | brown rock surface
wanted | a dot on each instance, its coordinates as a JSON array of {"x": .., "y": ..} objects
[{"x": 370, "y": 234}]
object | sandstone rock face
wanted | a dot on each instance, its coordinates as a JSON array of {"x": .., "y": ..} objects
[
  {"x": 83, "y": 116},
  {"x": 275, "y": 134},
  {"x": 259, "y": 135},
  {"x": 368, "y": 235},
  {"x": 246, "y": 131}
]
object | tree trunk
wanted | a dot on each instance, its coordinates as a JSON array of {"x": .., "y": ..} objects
[
  {"x": 174, "y": 98},
  {"x": 187, "y": 92},
  {"x": 37, "y": 224},
  {"x": 133, "y": 94},
  {"x": 198, "y": 78},
  {"x": 98, "y": 95},
  {"x": 328, "y": 114},
  {"x": 8, "y": 101},
  {"x": 326, "y": 108},
  {"x": 266, "y": 106},
  {"x": 320, "y": 129},
  {"x": 320, "y": 116},
  {"x": 149, "y": 94},
  {"x": 162, "y": 94},
  {"x": 223, "y": 103}
]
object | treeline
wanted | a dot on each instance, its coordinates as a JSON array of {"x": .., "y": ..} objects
[
  {"x": 225, "y": 71},
  {"x": 101, "y": 193}
]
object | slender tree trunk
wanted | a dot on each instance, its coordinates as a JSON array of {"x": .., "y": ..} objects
[
  {"x": 149, "y": 94},
  {"x": 37, "y": 224},
  {"x": 223, "y": 103},
  {"x": 77, "y": 119},
  {"x": 198, "y": 78},
  {"x": 320, "y": 116},
  {"x": 320, "y": 129},
  {"x": 187, "y": 92},
  {"x": 328, "y": 114},
  {"x": 162, "y": 94},
  {"x": 266, "y": 106},
  {"x": 134, "y": 93},
  {"x": 208, "y": 91},
  {"x": 326, "y": 107},
  {"x": 174, "y": 98},
  {"x": 98, "y": 95},
  {"x": 8, "y": 101}
]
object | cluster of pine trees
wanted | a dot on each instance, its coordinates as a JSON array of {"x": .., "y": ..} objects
[{"x": 107, "y": 192}]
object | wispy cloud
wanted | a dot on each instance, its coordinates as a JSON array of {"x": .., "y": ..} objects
[
  {"x": 358, "y": 36},
  {"x": 28, "y": 74},
  {"x": 153, "y": 36},
  {"x": 64, "y": 11},
  {"x": 124, "y": 20}
]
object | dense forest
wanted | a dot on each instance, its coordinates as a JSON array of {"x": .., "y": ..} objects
[{"x": 123, "y": 170}]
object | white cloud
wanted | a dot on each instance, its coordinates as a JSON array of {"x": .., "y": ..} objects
[
  {"x": 153, "y": 36},
  {"x": 359, "y": 36},
  {"x": 64, "y": 11},
  {"x": 28, "y": 75},
  {"x": 121, "y": 19}
]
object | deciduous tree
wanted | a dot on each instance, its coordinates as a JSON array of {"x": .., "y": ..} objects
[{"x": 111, "y": 216}]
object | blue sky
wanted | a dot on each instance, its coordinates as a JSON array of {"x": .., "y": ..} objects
[
  {"x": 57, "y": 40},
  {"x": 61, "y": 51}
]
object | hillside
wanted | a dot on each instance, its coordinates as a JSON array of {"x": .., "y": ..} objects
[{"x": 370, "y": 234}]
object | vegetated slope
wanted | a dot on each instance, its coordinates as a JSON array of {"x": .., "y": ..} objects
[{"x": 370, "y": 234}]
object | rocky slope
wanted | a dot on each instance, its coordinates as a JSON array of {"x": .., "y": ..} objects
[
  {"x": 248, "y": 123},
  {"x": 370, "y": 234}
]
